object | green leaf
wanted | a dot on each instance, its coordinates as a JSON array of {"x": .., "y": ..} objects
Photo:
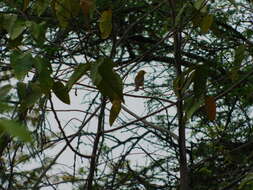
[
  {"x": 178, "y": 83},
  {"x": 239, "y": 55},
  {"x": 238, "y": 58},
  {"x": 46, "y": 81},
  {"x": 41, "y": 63},
  {"x": 21, "y": 63},
  {"x": 5, "y": 107},
  {"x": 180, "y": 13},
  {"x": 78, "y": 73},
  {"x": 106, "y": 79},
  {"x": 206, "y": 23},
  {"x": 114, "y": 112},
  {"x": 9, "y": 21},
  {"x": 15, "y": 129},
  {"x": 21, "y": 90},
  {"x": 105, "y": 24},
  {"x": 17, "y": 29},
  {"x": 205, "y": 171},
  {"x": 61, "y": 92},
  {"x": 74, "y": 7},
  {"x": 191, "y": 106},
  {"x": 62, "y": 14},
  {"x": 199, "y": 81},
  {"x": 233, "y": 74},
  {"x": 44, "y": 73},
  {"x": 188, "y": 80},
  {"x": 65, "y": 10},
  {"x": 38, "y": 31},
  {"x": 95, "y": 74},
  {"x": 4, "y": 90},
  {"x": 198, "y": 4},
  {"x": 31, "y": 95},
  {"x": 183, "y": 81},
  {"x": 40, "y": 6},
  {"x": 13, "y": 25},
  {"x": 13, "y": 44},
  {"x": 247, "y": 182}
]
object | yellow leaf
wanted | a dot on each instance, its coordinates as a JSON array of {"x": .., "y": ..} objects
[
  {"x": 206, "y": 23},
  {"x": 210, "y": 106},
  {"x": 105, "y": 24},
  {"x": 114, "y": 112},
  {"x": 68, "y": 178}
]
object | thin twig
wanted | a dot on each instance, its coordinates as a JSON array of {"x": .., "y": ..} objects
[
  {"x": 150, "y": 125},
  {"x": 63, "y": 133},
  {"x": 94, "y": 158}
]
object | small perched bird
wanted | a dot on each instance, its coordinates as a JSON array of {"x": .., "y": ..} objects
[{"x": 139, "y": 79}]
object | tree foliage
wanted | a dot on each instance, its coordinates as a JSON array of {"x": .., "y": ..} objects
[{"x": 195, "y": 130}]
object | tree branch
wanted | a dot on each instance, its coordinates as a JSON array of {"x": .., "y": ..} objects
[{"x": 95, "y": 147}]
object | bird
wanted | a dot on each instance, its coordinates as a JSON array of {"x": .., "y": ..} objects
[{"x": 139, "y": 79}]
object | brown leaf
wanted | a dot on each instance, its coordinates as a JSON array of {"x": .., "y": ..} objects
[
  {"x": 86, "y": 7},
  {"x": 210, "y": 106}
]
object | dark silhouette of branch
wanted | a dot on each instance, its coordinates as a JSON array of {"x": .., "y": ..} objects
[
  {"x": 94, "y": 158},
  {"x": 177, "y": 36},
  {"x": 63, "y": 133}
]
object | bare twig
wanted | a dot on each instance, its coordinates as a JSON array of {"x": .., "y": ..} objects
[
  {"x": 94, "y": 158},
  {"x": 63, "y": 133},
  {"x": 150, "y": 125}
]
